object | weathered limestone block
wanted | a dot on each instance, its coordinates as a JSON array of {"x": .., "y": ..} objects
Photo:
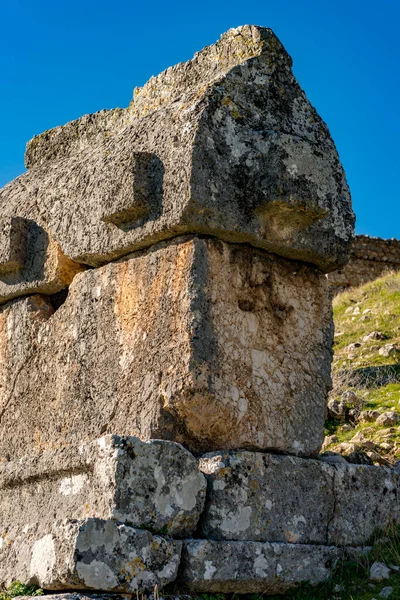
[
  {"x": 13, "y": 244},
  {"x": 253, "y": 567},
  {"x": 366, "y": 498},
  {"x": 31, "y": 262},
  {"x": 90, "y": 554},
  {"x": 210, "y": 344},
  {"x": 154, "y": 485},
  {"x": 263, "y": 497},
  {"x": 226, "y": 144}
]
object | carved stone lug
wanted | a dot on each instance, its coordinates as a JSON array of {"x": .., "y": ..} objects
[
  {"x": 140, "y": 195},
  {"x": 13, "y": 241},
  {"x": 31, "y": 261}
]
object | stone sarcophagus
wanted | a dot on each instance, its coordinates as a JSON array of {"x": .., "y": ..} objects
[
  {"x": 204, "y": 338},
  {"x": 162, "y": 275}
]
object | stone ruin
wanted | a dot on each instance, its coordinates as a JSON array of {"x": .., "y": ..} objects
[
  {"x": 166, "y": 340},
  {"x": 370, "y": 258}
]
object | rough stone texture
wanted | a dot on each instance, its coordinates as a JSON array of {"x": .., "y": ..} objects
[
  {"x": 370, "y": 258},
  {"x": 379, "y": 572},
  {"x": 254, "y": 496},
  {"x": 89, "y": 554},
  {"x": 226, "y": 144},
  {"x": 31, "y": 261},
  {"x": 366, "y": 497},
  {"x": 253, "y": 567},
  {"x": 264, "y": 497},
  {"x": 13, "y": 244},
  {"x": 210, "y": 344},
  {"x": 154, "y": 485}
]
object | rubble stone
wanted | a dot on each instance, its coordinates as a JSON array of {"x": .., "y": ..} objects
[
  {"x": 369, "y": 416},
  {"x": 387, "y": 419},
  {"x": 386, "y": 592},
  {"x": 210, "y": 344},
  {"x": 379, "y": 572},
  {"x": 389, "y": 350},
  {"x": 359, "y": 457},
  {"x": 371, "y": 257}
]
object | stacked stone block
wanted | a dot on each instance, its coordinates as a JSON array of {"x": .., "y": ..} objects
[
  {"x": 121, "y": 515},
  {"x": 162, "y": 276}
]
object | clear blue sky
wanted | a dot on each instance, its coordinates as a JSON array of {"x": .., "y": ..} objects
[{"x": 60, "y": 59}]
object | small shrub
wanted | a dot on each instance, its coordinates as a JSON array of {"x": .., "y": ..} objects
[{"x": 20, "y": 589}]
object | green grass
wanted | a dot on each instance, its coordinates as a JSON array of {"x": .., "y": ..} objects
[
  {"x": 374, "y": 378},
  {"x": 19, "y": 589},
  {"x": 382, "y": 299}
]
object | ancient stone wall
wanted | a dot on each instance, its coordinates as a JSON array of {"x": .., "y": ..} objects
[{"x": 371, "y": 257}]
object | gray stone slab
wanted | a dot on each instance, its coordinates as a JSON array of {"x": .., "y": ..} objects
[
  {"x": 367, "y": 498},
  {"x": 264, "y": 497},
  {"x": 91, "y": 554},
  {"x": 240, "y": 153},
  {"x": 253, "y": 567},
  {"x": 213, "y": 345},
  {"x": 154, "y": 485}
]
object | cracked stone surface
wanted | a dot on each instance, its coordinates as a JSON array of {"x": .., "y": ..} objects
[
  {"x": 367, "y": 497},
  {"x": 89, "y": 554},
  {"x": 154, "y": 485},
  {"x": 264, "y": 497},
  {"x": 253, "y": 567},
  {"x": 210, "y": 344},
  {"x": 226, "y": 144}
]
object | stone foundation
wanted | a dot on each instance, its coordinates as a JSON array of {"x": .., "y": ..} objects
[{"x": 123, "y": 516}]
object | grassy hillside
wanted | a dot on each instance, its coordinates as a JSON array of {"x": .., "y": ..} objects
[{"x": 366, "y": 372}]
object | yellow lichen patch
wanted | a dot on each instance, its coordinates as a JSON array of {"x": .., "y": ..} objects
[
  {"x": 280, "y": 219},
  {"x": 254, "y": 484},
  {"x": 224, "y": 472},
  {"x": 226, "y": 101},
  {"x": 133, "y": 567}
]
